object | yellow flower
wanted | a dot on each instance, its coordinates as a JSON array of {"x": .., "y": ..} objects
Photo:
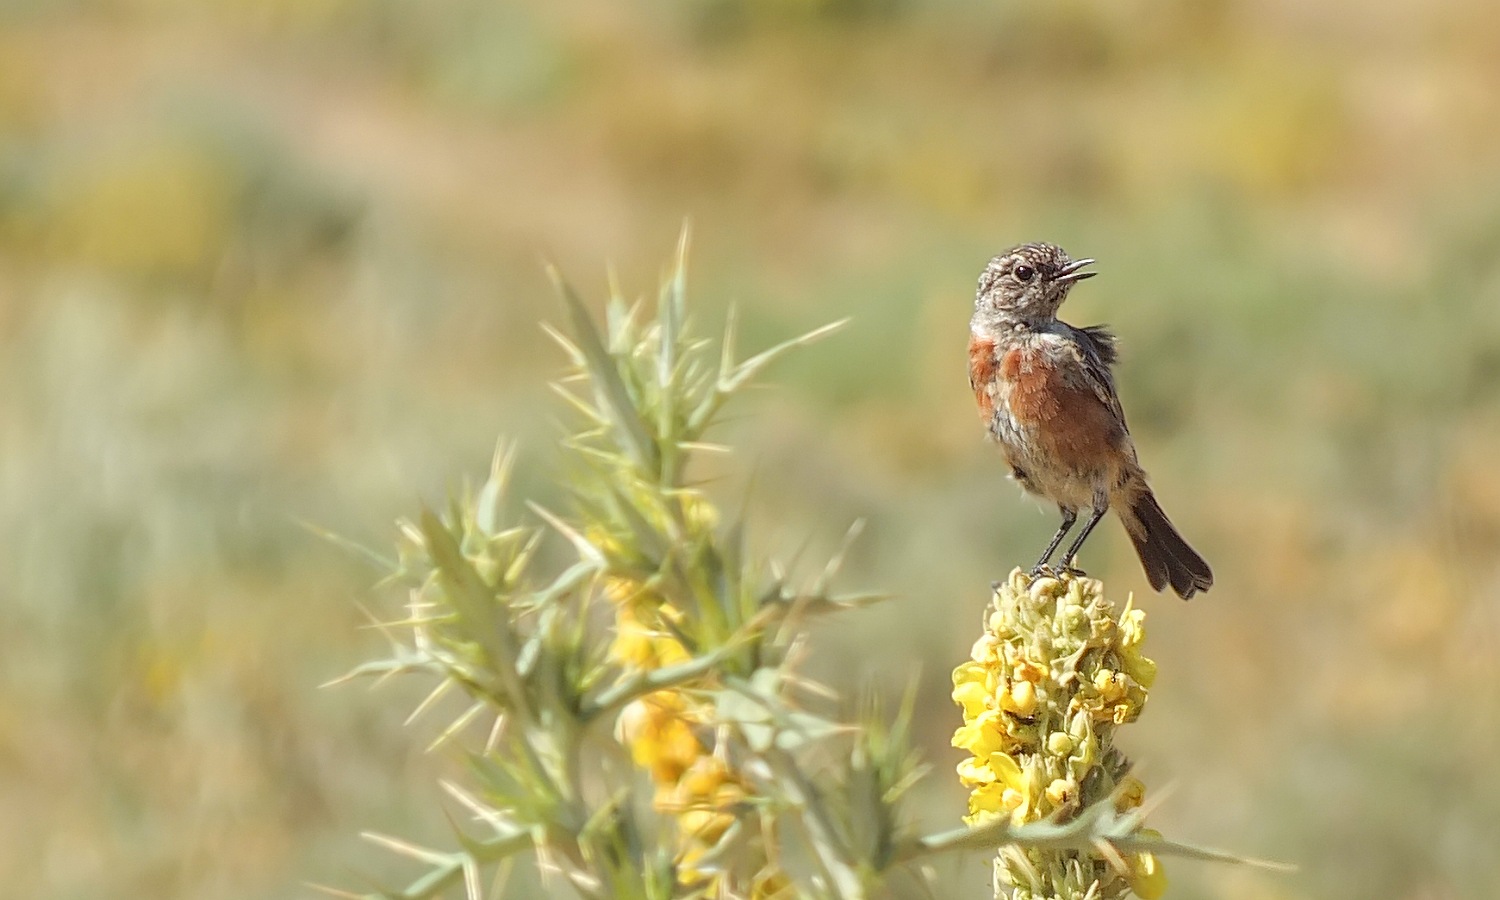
[
  {"x": 972, "y": 688},
  {"x": 1019, "y": 794},
  {"x": 974, "y": 773},
  {"x": 986, "y": 650},
  {"x": 1130, "y": 794},
  {"x": 1011, "y": 791},
  {"x": 1146, "y": 877},
  {"x": 1026, "y": 670},
  {"x": 660, "y": 737},
  {"x": 1109, "y": 685},
  {"x": 983, "y": 736},
  {"x": 985, "y": 803},
  {"x": 1020, "y": 699},
  {"x": 1132, "y": 633},
  {"x": 972, "y": 673},
  {"x": 707, "y": 783},
  {"x": 639, "y": 645},
  {"x": 1062, "y": 791},
  {"x": 1119, "y": 697}
]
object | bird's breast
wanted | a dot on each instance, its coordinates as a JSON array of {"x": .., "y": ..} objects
[
  {"x": 1048, "y": 409},
  {"x": 982, "y": 375}
]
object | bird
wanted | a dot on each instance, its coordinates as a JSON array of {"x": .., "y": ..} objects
[{"x": 1046, "y": 395}]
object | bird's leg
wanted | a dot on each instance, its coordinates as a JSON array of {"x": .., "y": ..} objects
[
  {"x": 1069, "y": 516},
  {"x": 1066, "y": 567}
]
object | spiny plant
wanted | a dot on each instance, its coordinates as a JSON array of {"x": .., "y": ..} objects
[{"x": 634, "y": 719}]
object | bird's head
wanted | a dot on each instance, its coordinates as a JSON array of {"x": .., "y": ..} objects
[{"x": 1027, "y": 283}]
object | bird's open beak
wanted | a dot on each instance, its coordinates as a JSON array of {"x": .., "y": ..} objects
[{"x": 1073, "y": 271}]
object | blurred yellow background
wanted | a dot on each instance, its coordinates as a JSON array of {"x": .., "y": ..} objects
[{"x": 272, "y": 261}]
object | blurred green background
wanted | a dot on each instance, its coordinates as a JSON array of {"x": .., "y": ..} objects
[{"x": 273, "y": 261}]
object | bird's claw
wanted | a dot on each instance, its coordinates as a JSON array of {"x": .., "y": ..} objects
[{"x": 1047, "y": 570}]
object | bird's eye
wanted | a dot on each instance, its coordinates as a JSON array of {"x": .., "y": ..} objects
[{"x": 1023, "y": 273}]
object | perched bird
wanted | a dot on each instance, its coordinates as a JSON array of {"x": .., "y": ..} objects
[{"x": 1047, "y": 397}]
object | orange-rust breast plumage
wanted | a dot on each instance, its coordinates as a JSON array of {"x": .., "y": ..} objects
[
  {"x": 1067, "y": 421},
  {"x": 982, "y": 375}
]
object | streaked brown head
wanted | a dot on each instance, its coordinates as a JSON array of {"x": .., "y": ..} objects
[{"x": 1027, "y": 283}]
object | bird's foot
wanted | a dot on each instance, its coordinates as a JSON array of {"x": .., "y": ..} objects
[{"x": 1068, "y": 569}]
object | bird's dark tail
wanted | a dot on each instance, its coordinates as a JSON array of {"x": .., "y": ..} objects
[{"x": 1165, "y": 556}]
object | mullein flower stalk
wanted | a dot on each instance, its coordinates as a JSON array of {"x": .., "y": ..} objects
[{"x": 1057, "y": 670}]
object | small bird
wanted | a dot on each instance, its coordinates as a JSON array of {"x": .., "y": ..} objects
[{"x": 1047, "y": 397}]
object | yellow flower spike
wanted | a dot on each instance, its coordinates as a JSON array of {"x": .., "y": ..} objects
[{"x": 1057, "y": 669}]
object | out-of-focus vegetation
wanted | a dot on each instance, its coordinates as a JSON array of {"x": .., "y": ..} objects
[{"x": 271, "y": 262}]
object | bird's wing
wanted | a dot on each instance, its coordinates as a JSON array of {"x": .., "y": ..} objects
[
  {"x": 1094, "y": 349},
  {"x": 1102, "y": 341}
]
